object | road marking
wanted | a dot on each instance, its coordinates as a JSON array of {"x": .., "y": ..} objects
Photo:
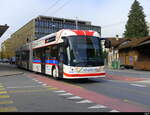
[
  {"x": 138, "y": 85},
  {"x": 75, "y": 97},
  {"x": 114, "y": 111},
  {"x": 97, "y": 107},
  {"x": 65, "y": 94},
  {"x": 3, "y": 92},
  {"x": 8, "y": 109},
  {"x": 2, "y": 89},
  {"x": 36, "y": 80},
  {"x": 4, "y": 96},
  {"x": 5, "y": 102},
  {"x": 60, "y": 91},
  {"x": 1, "y": 86},
  {"x": 40, "y": 82},
  {"x": 29, "y": 91},
  {"x": 20, "y": 87},
  {"x": 52, "y": 88},
  {"x": 44, "y": 84},
  {"x": 85, "y": 101},
  {"x": 145, "y": 81}
]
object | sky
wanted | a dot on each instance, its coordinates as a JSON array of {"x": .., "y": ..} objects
[{"x": 111, "y": 15}]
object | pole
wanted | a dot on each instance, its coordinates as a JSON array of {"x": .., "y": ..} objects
[{"x": 77, "y": 23}]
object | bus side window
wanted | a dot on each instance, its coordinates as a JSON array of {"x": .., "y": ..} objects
[
  {"x": 36, "y": 54},
  {"x": 48, "y": 53},
  {"x": 54, "y": 52}
]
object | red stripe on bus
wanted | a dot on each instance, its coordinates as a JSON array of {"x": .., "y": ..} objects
[
  {"x": 89, "y": 33},
  {"x": 36, "y": 63},
  {"x": 84, "y": 75},
  {"x": 79, "y": 32},
  {"x": 50, "y": 64},
  {"x": 83, "y": 33}
]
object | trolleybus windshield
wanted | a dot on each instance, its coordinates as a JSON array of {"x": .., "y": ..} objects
[{"x": 85, "y": 51}]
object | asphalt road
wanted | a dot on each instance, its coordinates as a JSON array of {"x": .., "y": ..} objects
[{"x": 29, "y": 92}]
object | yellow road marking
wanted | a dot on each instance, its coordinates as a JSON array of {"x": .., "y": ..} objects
[
  {"x": 2, "y": 89},
  {"x": 52, "y": 88},
  {"x": 5, "y": 102},
  {"x": 1, "y": 86},
  {"x": 8, "y": 109},
  {"x": 30, "y": 91},
  {"x": 4, "y": 96},
  {"x": 3, "y": 92}
]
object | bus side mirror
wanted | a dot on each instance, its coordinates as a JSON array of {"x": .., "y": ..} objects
[
  {"x": 107, "y": 44},
  {"x": 65, "y": 41}
]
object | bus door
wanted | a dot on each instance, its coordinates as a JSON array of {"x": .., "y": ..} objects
[
  {"x": 61, "y": 59},
  {"x": 27, "y": 59},
  {"x": 43, "y": 58}
]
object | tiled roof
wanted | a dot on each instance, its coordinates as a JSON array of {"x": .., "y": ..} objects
[{"x": 123, "y": 43}]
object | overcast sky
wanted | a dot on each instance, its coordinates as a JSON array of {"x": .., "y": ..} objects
[{"x": 111, "y": 15}]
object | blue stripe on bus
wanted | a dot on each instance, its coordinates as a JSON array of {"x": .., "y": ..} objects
[
  {"x": 36, "y": 61},
  {"x": 51, "y": 62}
]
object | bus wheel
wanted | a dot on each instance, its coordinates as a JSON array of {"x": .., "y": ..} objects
[{"x": 55, "y": 73}]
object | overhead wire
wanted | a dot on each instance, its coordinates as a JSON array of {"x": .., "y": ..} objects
[
  {"x": 61, "y": 7},
  {"x": 52, "y": 6},
  {"x": 114, "y": 24}
]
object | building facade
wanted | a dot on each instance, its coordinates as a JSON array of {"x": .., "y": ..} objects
[
  {"x": 43, "y": 25},
  {"x": 6, "y": 49}
]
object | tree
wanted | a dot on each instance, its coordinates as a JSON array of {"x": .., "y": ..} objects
[{"x": 136, "y": 26}]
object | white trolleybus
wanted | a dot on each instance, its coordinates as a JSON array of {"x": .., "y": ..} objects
[{"x": 68, "y": 54}]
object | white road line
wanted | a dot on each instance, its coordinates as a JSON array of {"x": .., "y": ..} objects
[
  {"x": 36, "y": 80},
  {"x": 97, "y": 107},
  {"x": 114, "y": 111},
  {"x": 145, "y": 81},
  {"x": 75, "y": 97},
  {"x": 85, "y": 101},
  {"x": 60, "y": 91},
  {"x": 40, "y": 82},
  {"x": 44, "y": 84},
  {"x": 138, "y": 85},
  {"x": 65, "y": 94}
]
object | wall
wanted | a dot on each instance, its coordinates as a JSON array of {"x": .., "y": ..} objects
[
  {"x": 128, "y": 57},
  {"x": 20, "y": 37}
]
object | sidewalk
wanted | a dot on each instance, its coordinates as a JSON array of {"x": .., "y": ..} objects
[
  {"x": 127, "y": 75},
  {"x": 8, "y": 70},
  {"x": 129, "y": 71}
]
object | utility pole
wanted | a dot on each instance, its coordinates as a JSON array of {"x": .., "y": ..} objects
[{"x": 76, "y": 22}]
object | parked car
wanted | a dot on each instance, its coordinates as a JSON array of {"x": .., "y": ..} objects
[{"x": 5, "y": 60}]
